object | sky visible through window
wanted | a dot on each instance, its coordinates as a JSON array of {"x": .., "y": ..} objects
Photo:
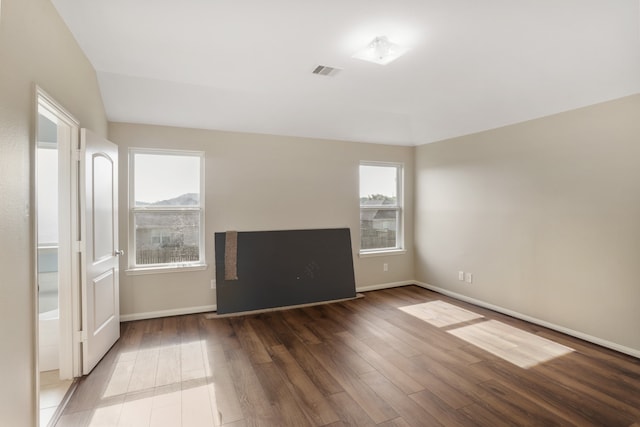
[
  {"x": 378, "y": 180},
  {"x": 163, "y": 177}
]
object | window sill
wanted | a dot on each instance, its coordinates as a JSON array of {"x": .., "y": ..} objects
[
  {"x": 165, "y": 269},
  {"x": 385, "y": 252}
]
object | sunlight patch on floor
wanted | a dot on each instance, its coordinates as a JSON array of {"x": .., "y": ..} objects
[
  {"x": 147, "y": 368},
  {"x": 172, "y": 406},
  {"x": 521, "y": 348},
  {"x": 516, "y": 346},
  {"x": 164, "y": 386},
  {"x": 440, "y": 313}
]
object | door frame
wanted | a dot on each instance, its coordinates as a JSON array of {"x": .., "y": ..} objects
[{"x": 69, "y": 249}]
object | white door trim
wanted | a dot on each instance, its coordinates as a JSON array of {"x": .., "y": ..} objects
[{"x": 68, "y": 274}]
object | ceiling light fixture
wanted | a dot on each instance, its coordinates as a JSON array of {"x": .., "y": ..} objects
[{"x": 381, "y": 51}]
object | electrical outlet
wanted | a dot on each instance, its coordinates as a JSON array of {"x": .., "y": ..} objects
[
  {"x": 461, "y": 275},
  {"x": 468, "y": 277},
  {"x": 385, "y": 267}
]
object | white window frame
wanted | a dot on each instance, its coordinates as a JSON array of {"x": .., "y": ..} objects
[
  {"x": 135, "y": 269},
  {"x": 398, "y": 207}
]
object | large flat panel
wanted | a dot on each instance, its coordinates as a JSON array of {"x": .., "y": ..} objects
[{"x": 282, "y": 268}]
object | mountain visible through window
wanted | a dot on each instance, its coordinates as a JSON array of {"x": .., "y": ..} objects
[{"x": 166, "y": 208}]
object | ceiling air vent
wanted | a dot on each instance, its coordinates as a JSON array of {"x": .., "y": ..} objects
[{"x": 323, "y": 70}]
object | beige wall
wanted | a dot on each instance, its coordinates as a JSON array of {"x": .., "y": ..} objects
[
  {"x": 261, "y": 182},
  {"x": 35, "y": 48},
  {"x": 545, "y": 214}
]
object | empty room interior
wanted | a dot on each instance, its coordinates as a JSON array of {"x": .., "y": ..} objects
[{"x": 359, "y": 213}]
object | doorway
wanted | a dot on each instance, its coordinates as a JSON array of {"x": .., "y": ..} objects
[{"x": 56, "y": 212}]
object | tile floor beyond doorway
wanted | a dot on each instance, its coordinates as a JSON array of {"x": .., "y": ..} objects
[{"x": 52, "y": 391}]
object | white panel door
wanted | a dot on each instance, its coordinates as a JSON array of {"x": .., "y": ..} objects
[{"x": 100, "y": 288}]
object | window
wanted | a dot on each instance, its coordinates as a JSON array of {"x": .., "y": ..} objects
[
  {"x": 380, "y": 207},
  {"x": 166, "y": 209}
]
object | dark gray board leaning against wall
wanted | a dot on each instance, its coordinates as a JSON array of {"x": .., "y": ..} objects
[{"x": 284, "y": 268}]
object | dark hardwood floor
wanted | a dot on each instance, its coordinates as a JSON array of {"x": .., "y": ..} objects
[{"x": 363, "y": 362}]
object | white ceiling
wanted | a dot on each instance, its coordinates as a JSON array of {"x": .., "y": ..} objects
[{"x": 245, "y": 65}]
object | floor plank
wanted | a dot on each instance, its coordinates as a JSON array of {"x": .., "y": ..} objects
[{"x": 303, "y": 389}]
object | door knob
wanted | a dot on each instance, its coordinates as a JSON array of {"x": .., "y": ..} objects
[{"x": 120, "y": 252}]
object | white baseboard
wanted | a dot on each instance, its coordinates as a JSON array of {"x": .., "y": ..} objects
[
  {"x": 599, "y": 341},
  {"x": 167, "y": 313},
  {"x": 384, "y": 286},
  {"x": 208, "y": 308}
]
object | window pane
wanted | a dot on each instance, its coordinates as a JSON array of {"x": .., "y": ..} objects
[
  {"x": 378, "y": 185},
  {"x": 378, "y": 228},
  {"x": 166, "y": 180},
  {"x": 167, "y": 237},
  {"x": 47, "y": 195}
]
